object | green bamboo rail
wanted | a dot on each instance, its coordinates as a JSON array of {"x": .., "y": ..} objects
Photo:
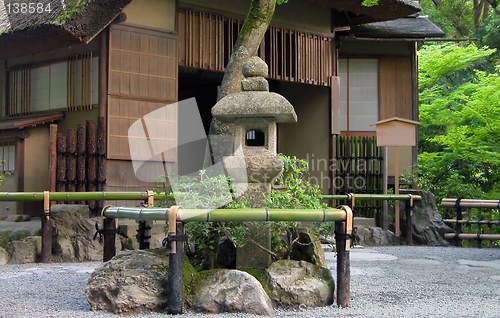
[
  {"x": 371, "y": 197},
  {"x": 228, "y": 215},
  {"x": 80, "y": 196},
  {"x": 177, "y": 216}
]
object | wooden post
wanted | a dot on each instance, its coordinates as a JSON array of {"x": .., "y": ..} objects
[
  {"x": 175, "y": 272},
  {"x": 396, "y": 191},
  {"x": 46, "y": 230},
  {"x": 61, "y": 164},
  {"x": 70, "y": 161},
  {"x": 458, "y": 226},
  {"x": 52, "y": 158},
  {"x": 80, "y": 159},
  {"x": 101, "y": 158},
  {"x": 343, "y": 267},
  {"x": 409, "y": 213},
  {"x": 385, "y": 205},
  {"x": 91, "y": 171},
  {"x": 109, "y": 227}
]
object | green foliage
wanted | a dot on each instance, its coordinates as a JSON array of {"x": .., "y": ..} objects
[
  {"x": 369, "y": 3},
  {"x": 211, "y": 192},
  {"x": 454, "y": 17},
  {"x": 298, "y": 192},
  {"x": 9, "y": 236},
  {"x": 459, "y": 149}
]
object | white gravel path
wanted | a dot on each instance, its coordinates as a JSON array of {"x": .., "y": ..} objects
[{"x": 397, "y": 281}]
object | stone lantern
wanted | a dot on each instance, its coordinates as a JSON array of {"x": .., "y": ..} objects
[{"x": 254, "y": 113}]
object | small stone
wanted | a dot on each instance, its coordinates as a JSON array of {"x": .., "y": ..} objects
[
  {"x": 14, "y": 218},
  {"x": 294, "y": 284},
  {"x": 255, "y": 66},
  {"x": 21, "y": 252},
  {"x": 231, "y": 291},
  {"x": 255, "y": 84},
  {"x": 4, "y": 256}
]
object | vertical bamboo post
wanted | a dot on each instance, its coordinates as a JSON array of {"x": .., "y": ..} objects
[
  {"x": 148, "y": 225},
  {"x": 53, "y": 158},
  {"x": 385, "y": 205},
  {"x": 396, "y": 191},
  {"x": 46, "y": 230},
  {"x": 70, "y": 161},
  {"x": 101, "y": 158},
  {"x": 109, "y": 227},
  {"x": 80, "y": 159},
  {"x": 91, "y": 151}
]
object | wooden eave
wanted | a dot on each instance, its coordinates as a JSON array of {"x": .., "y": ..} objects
[
  {"x": 24, "y": 122},
  {"x": 399, "y": 119}
]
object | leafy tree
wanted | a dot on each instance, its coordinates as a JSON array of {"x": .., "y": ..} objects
[{"x": 459, "y": 149}]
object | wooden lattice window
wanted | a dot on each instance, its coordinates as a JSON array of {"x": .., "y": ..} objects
[
  {"x": 70, "y": 84},
  {"x": 7, "y": 156},
  {"x": 207, "y": 41}
]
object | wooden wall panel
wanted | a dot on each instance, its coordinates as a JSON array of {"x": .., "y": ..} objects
[
  {"x": 395, "y": 94},
  {"x": 142, "y": 79}
]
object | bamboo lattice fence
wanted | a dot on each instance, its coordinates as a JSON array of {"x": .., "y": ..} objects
[{"x": 359, "y": 169}]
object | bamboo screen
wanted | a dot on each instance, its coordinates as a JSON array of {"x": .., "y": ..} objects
[
  {"x": 19, "y": 90},
  {"x": 206, "y": 42}
]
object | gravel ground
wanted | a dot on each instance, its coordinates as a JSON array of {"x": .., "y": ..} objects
[{"x": 397, "y": 281}]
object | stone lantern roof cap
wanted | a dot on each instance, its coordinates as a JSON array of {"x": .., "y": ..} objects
[
  {"x": 254, "y": 105},
  {"x": 255, "y": 100}
]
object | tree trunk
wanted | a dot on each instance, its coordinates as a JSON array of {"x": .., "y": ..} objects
[
  {"x": 251, "y": 34},
  {"x": 249, "y": 39}
]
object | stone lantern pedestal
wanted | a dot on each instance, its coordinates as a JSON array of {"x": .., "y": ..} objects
[{"x": 254, "y": 112}]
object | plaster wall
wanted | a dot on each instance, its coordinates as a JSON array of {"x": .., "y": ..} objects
[
  {"x": 309, "y": 138},
  {"x": 36, "y": 167},
  {"x": 72, "y": 119},
  {"x": 159, "y": 14},
  {"x": 9, "y": 184}
]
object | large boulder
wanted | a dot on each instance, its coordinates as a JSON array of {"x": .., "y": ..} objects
[
  {"x": 308, "y": 248},
  {"x": 231, "y": 291},
  {"x": 4, "y": 256},
  {"x": 73, "y": 232},
  {"x": 374, "y": 236},
  {"x": 133, "y": 282},
  {"x": 295, "y": 284},
  {"x": 427, "y": 224},
  {"x": 21, "y": 252}
]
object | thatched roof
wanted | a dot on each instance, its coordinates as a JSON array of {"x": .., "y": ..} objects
[
  {"x": 410, "y": 27},
  {"x": 69, "y": 22},
  {"x": 72, "y": 22},
  {"x": 356, "y": 13}
]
